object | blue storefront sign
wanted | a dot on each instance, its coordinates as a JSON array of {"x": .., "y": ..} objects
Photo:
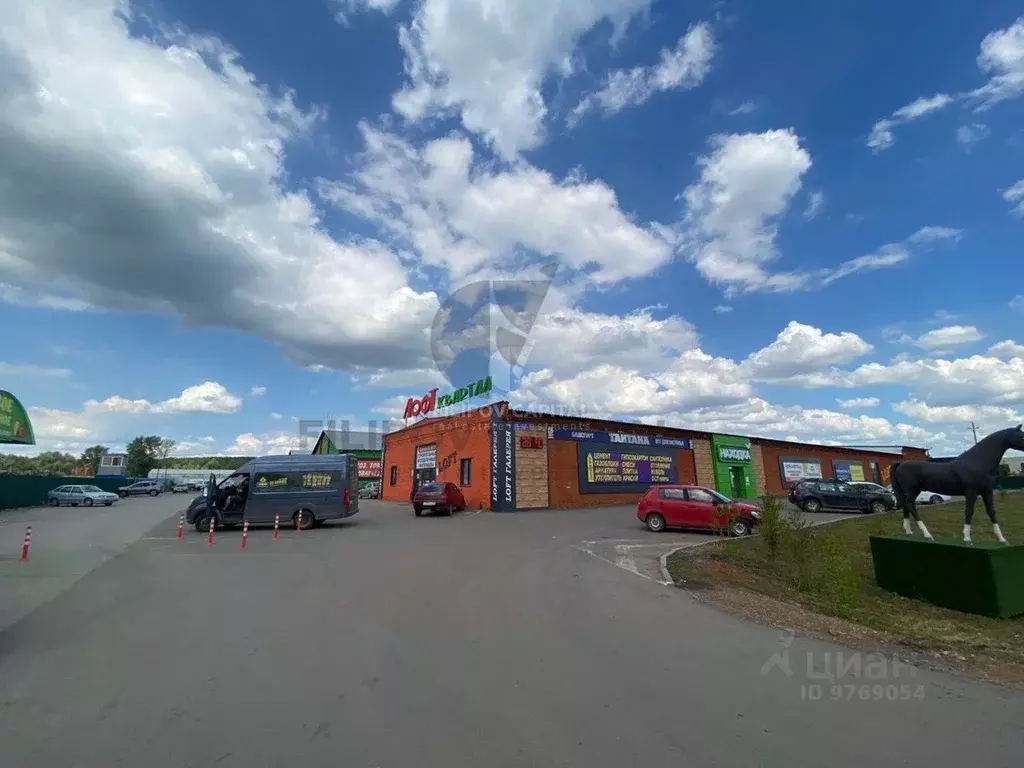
[{"x": 621, "y": 438}]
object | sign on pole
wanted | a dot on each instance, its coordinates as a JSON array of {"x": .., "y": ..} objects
[{"x": 15, "y": 426}]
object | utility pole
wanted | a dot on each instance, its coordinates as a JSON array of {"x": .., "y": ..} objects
[{"x": 974, "y": 429}]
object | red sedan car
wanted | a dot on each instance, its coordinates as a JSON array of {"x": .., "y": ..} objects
[
  {"x": 693, "y": 506},
  {"x": 438, "y": 497}
]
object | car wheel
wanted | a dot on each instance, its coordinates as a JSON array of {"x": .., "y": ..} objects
[
  {"x": 812, "y": 505},
  {"x": 448, "y": 511},
  {"x": 202, "y": 522},
  {"x": 417, "y": 511},
  {"x": 303, "y": 520},
  {"x": 935, "y": 500},
  {"x": 154, "y": 494},
  {"x": 655, "y": 522},
  {"x": 87, "y": 502},
  {"x": 739, "y": 527},
  {"x": 107, "y": 503},
  {"x": 122, "y": 495},
  {"x": 876, "y": 508},
  {"x": 53, "y": 502}
]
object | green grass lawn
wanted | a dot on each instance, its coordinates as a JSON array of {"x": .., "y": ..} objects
[{"x": 838, "y": 580}]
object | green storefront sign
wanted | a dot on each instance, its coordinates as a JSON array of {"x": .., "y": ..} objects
[
  {"x": 15, "y": 426},
  {"x": 732, "y": 463}
]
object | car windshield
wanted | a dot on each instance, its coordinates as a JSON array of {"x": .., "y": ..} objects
[{"x": 720, "y": 497}]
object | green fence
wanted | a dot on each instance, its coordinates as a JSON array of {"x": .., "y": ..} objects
[
  {"x": 30, "y": 490},
  {"x": 1010, "y": 482}
]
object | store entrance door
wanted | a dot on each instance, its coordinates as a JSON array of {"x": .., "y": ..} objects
[
  {"x": 423, "y": 476},
  {"x": 737, "y": 482}
]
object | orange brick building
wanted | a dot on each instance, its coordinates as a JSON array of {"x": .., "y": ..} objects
[{"x": 504, "y": 460}]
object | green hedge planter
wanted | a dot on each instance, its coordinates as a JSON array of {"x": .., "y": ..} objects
[{"x": 984, "y": 578}]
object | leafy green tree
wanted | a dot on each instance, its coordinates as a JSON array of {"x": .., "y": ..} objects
[
  {"x": 92, "y": 456},
  {"x": 52, "y": 463},
  {"x": 142, "y": 455}
]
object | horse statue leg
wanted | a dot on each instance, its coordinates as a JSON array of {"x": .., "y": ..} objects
[
  {"x": 909, "y": 504},
  {"x": 970, "y": 497},
  {"x": 990, "y": 508}
]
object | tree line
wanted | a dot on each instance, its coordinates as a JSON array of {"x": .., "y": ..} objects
[{"x": 144, "y": 453}]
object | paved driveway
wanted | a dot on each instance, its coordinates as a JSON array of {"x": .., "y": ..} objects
[
  {"x": 67, "y": 544},
  {"x": 627, "y": 544},
  {"x": 479, "y": 640}
]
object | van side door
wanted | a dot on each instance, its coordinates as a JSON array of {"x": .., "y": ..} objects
[{"x": 270, "y": 493}]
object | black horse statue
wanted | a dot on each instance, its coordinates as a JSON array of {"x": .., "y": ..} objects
[{"x": 971, "y": 474}]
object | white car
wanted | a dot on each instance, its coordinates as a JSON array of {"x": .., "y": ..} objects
[
  {"x": 930, "y": 497},
  {"x": 925, "y": 497}
]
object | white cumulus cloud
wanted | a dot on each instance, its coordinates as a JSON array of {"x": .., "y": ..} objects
[
  {"x": 683, "y": 67},
  {"x": 487, "y": 61}
]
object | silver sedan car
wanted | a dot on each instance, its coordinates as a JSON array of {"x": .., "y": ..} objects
[{"x": 80, "y": 495}]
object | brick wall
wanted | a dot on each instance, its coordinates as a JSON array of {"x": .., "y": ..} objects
[
  {"x": 564, "y": 479},
  {"x": 462, "y": 437},
  {"x": 704, "y": 473},
  {"x": 757, "y": 461},
  {"x": 771, "y": 451}
]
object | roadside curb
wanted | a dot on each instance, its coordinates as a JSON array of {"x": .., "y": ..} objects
[{"x": 663, "y": 560}]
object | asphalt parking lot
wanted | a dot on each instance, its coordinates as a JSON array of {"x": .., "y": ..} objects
[{"x": 388, "y": 640}]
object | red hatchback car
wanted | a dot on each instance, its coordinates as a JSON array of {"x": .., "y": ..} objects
[
  {"x": 438, "y": 497},
  {"x": 693, "y": 506}
]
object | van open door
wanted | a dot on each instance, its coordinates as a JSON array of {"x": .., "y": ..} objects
[{"x": 211, "y": 494}]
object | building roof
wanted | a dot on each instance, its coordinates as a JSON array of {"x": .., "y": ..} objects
[
  {"x": 346, "y": 440},
  {"x": 577, "y": 422}
]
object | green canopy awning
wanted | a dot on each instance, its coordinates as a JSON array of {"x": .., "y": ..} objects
[{"x": 15, "y": 426}]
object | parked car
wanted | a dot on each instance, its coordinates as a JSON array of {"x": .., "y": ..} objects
[
  {"x": 875, "y": 487},
  {"x": 181, "y": 488},
  {"x": 930, "y": 497},
  {"x": 438, "y": 497},
  {"x": 693, "y": 506},
  {"x": 818, "y": 495},
  {"x": 141, "y": 488},
  {"x": 369, "y": 491},
  {"x": 80, "y": 495}
]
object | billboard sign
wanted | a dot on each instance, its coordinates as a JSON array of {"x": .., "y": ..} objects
[
  {"x": 607, "y": 469},
  {"x": 848, "y": 471},
  {"x": 426, "y": 457},
  {"x": 796, "y": 469},
  {"x": 503, "y": 465},
  {"x": 369, "y": 469},
  {"x": 15, "y": 426}
]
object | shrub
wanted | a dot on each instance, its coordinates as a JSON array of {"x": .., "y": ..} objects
[
  {"x": 835, "y": 579},
  {"x": 721, "y": 519},
  {"x": 798, "y": 544},
  {"x": 772, "y": 527}
]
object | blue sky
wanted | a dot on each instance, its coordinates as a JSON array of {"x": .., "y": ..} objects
[{"x": 221, "y": 218}]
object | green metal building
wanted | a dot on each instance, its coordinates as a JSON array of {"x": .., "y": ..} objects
[
  {"x": 733, "y": 466},
  {"x": 365, "y": 446}
]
